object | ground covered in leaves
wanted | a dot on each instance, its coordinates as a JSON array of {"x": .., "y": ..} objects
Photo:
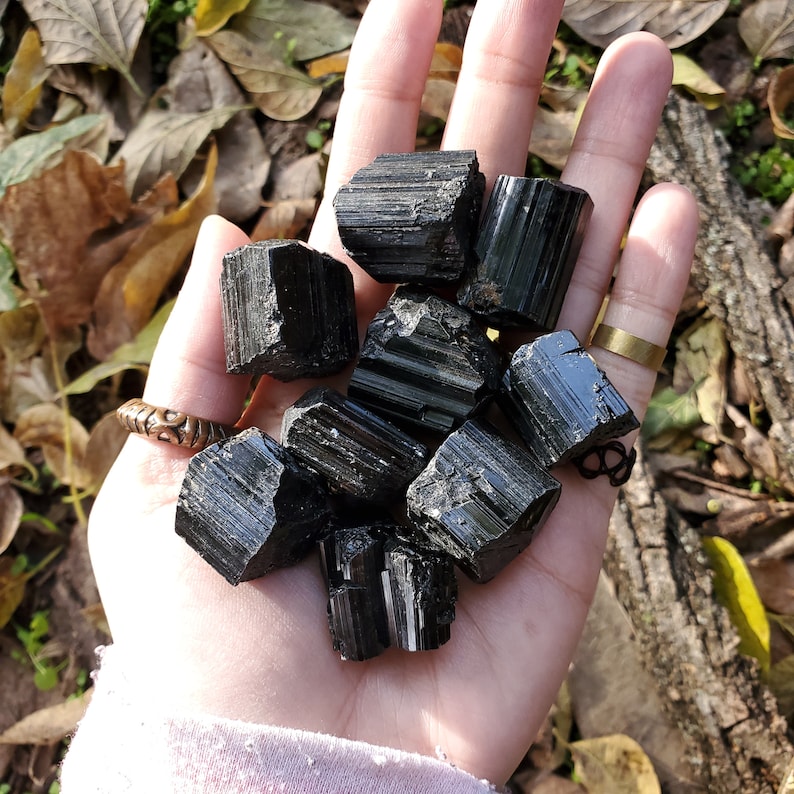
[{"x": 115, "y": 145}]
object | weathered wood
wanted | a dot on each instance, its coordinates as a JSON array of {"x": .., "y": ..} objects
[
  {"x": 739, "y": 280},
  {"x": 729, "y": 720}
]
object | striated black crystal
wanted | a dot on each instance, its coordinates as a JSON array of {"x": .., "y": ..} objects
[
  {"x": 247, "y": 507},
  {"x": 412, "y": 217},
  {"x": 560, "y": 401},
  {"x": 531, "y": 233},
  {"x": 425, "y": 361},
  {"x": 480, "y": 500},
  {"x": 352, "y": 563},
  {"x": 383, "y": 591},
  {"x": 420, "y": 591},
  {"x": 356, "y": 451},
  {"x": 288, "y": 311}
]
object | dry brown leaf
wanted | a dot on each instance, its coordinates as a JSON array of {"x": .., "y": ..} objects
[
  {"x": 614, "y": 765},
  {"x": 552, "y": 135},
  {"x": 278, "y": 90},
  {"x": 198, "y": 81},
  {"x": 21, "y": 333},
  {"x": 101, "y": 32},
  {"x": 754, "y": 445},
  {"x": 104, "y": 444},
  {"x": 29, "y": 384},
  {"x": 780, "y": 96},
  {"x": 130, "y": 291},
  {"x": 43, "y": 426},
  {"x": 165, "y": 142},
  {"x": 48, "y": 223},
  {"x": 48, "y": 725},
  {"x": 301, "y": 179},
  {"x": 446, "y": 62},
  {"x": 774, "y": 580},
  {"x": 284, "y": 220},
  {"x": 22, "y": 86},
  {"x": 602, "y": 21},
  {"x": 11, "y": 452},
  {"x": 12, "y": 589},
  {"x": 767, "y": 28},
  {"x": 11, "y": 510},
  {"x": 554, "y": 784},
  {"x": 437, "y": 98}
]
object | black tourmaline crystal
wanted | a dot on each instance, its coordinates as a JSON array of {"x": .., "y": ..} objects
[
  {"x": 420, "y": 591},
  {"x": 383, "y": 591},
  {"x": 559, "y": 400},
  {"x": 352, "y": 561},
  {"x": 247, "y": 507},
  {"x": 288, "y": 311},
  {"x": 412, "y": 217},
  {"x": 356, "y": 451},
  {"x": 480, "y": 500},
  {"x": 532, "y": 230},
  {"x": 425, "y": 361}
]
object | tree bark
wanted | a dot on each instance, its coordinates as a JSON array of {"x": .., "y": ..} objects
[
  {"x": 733, "y": 269},
  {"x": 729, "y": 720}
]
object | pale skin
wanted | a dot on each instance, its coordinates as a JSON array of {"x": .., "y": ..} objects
[{"x": 261, "y": 651}]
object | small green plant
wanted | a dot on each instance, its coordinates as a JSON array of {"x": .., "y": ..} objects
[
  {"x": 34, "y": 644},
  {"x": 769, "y": 173},
  {"x": 316, "y": 138},
  {"x": 740, "y": 119},
  {"x": 161, "y": 21}
]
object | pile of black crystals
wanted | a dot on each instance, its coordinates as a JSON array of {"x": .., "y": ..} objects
[{"x": 395, "y": 514}]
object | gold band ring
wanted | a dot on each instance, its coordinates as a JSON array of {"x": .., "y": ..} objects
[
  {"x": 172, "y": 427},
  {"x": 622, "y": 343}
]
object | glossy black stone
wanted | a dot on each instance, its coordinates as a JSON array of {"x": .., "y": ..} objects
[
  {"x": 412, "y": 217},
  {"x": 480, "y": 500},
  {"x": 425, "y": 361},
  {"x": 247, "y": 507},
  {"x": 559, "y": 400},
  {"x": 288, "y": 311},
  {"x": 531, "y": 233},
  {"x": 352, "y": 563},
  {"x": 356, "y": 451},
  {"x": 420, "y": 591}
]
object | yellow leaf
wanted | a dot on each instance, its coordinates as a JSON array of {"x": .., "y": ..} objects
[
  {"x": 446, "y": 62},
  {"x": 212, "y": 15},
  {"x": 328, "y": 65},
  {"x": 614, "y": 764},
  {"x": 130, "y": 291},
  {"x": 23, "y": 83},
  {"x": 688, "y": 74},
  {"x": 737, "y": 593}
]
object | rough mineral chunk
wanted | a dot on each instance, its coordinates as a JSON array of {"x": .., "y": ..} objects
[
  {"x": 288, "y": 311},
  {"x": 559, "y": 400},
  {"x": 426, "y": 362},
  {"x": 247, "y": 507},
  {"x": 420, "y": 591},
  {"x": 356, "y": 451},
  {"x": 480, "y": 500},
  {"x": 531, "y": 233},
  {"x": 412, "y": 217},
  {"x": 352, "y": 560},
  {"x": 384, "y": 591}
]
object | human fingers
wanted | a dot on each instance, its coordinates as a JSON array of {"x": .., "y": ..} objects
[
  {"x": 378, "y": 113},
  {"x": 607, "y": 160},
  {"x": 504, "y": 61}
]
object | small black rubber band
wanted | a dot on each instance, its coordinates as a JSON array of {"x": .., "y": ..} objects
[{"x": 618, "y": 473}]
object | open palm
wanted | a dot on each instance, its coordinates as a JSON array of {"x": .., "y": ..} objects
[{"x": 260, "y": 652}]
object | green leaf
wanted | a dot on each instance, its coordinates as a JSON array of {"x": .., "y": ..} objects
[
  {"x": 46, "y": 678},
  {"x": 688, "y": 74},
  {"x": 26, "y": 156},
  {"x": 8, "y": 299},
  {"x": 669, "y": 410},
  {"x": 305, "y": 30},
  {"x": 164, "y": 141},
  {"x": 736, "y": 591},
  {"x": 131, "y": 355}
]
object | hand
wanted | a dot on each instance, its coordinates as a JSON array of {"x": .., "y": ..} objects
[{"x": 261, "y": 651}]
